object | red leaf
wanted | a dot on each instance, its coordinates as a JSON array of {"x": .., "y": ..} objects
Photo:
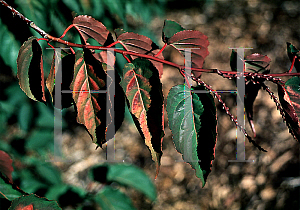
[
  {"x": 6, "y": 165},
  {"x": 89, "y": 76},
  {"x": 291, "y": 117},
  {"x": 191, "y": 39},
  {"x": 29, "y": 207},
  {"x": 258, "y": 63},
  {"x": 140, "y": 44},
  {"x": 89, "y": 27},
  {"x": 102, "y": 57},
  {"x": 30, "y": 70},
  {"x": 143, "y": 89}
]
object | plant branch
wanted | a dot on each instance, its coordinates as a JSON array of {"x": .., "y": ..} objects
[
  {"x": 27, "y": 21},
  {"x": 292, "y": 65},
  {"x": 228, "y": 113},
  {"x": 224, "y": 73}
]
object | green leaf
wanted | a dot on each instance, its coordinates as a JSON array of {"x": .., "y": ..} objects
[
  {"x": 192, "y": 120},
  {"x": 293, "y": 89},
  {"x": 117, "y": 9},
  {"x": 35, "y": 10},
  {"x": 10, "y": 52},
  {"x": 49, "y": 173},
  {"x": 73, "y": 5},
  {"x": 127, "y": 175},
  {"x": 113, "y": 199},
  {"x": 58, "y": 191},
  {"x": 32, "y": 202},
  {"x": 30, "y": 70},
  {"x": 54, "y": 192},
  {"x": 29, "y": 181},
  {"x": 292, "y": 53},
  {"x": 25, "y": 116},
  {"x": 170, "y": 29},
  {"x": 6, "y": 189},
  {"x": 57, "y": 19},
  {"x": 45, "y": 118},
  {"x": 40, "y": 140},
  {"x": 97, "y": 9},
  {"x": 140, "y": 82}
]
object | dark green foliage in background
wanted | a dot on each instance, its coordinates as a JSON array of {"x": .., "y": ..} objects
[{"x": 26, "y": 130}]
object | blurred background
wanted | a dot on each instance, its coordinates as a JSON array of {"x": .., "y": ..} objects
[{"x": 272, "y": 181}]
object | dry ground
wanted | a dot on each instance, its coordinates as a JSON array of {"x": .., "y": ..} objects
[{"x": 263, "y": 184}]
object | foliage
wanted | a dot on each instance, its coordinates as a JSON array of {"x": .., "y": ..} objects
[
  {"x": 30, "y": 146},
  {"x": 192, "y": 115}
]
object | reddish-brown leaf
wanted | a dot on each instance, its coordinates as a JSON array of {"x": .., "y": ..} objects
[
  {"x": 30, "y": 70},
  {"x": 103, "y": 58},
  {"x": 6, "y": 165},
  {"x": 143, "y": 90},
  {"x": 89, "y": 77},
  {"x": 67, "y": 68},
  {"x": 194, "y": 40},
  {"x": 291, "y": 117},
  {"x": 257, "y": 63},
  {"x": 88, "y": 27},
  {"x": 21, "y": 207},
  {"x": 140, "y": 44}
]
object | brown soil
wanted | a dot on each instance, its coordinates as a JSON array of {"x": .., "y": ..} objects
[{"x": 262, "y": 184}]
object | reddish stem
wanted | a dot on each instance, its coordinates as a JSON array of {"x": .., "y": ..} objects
[
  {"x": 129, "y": 61},
  {"x": 42, "y": 39},
  {"x": 70, "y": 44},
  {"x": 50, "y": 45},
  {"x": 73, "y": 52},
  {"x": 292, "y": 66},
  {"x": 161, "y": 50},
  {"x": 113, "y": 44},
  {"x": 65, "y": 32}
]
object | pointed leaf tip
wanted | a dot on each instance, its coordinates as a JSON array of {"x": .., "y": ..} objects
[
  {"x": 142, "y": 87},
  {"x": 89, "y": 77},
  {"x": 170, "y": 29},
  {"x": 293, "y": 53},
  {"x": 192, "y": 120},
  {"x": 30, "y": 70}
]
